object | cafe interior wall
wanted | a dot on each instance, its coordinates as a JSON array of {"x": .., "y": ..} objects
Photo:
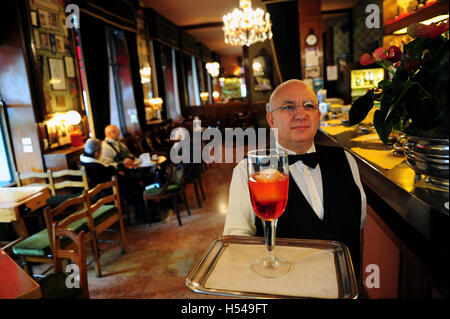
[
  {"x": 17, "y": 89},
  {"x": 53, "y": 44},
  {"x": 365, "y": 39}
]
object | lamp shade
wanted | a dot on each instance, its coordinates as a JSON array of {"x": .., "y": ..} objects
[{"x": 73, "y": 118}]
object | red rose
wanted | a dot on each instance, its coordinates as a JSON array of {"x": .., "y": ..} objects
[
  {"x": 426, "y": 56},
  {"x": 411, "y": 65},
  {"x": 394, "y": 54},
  {"x": 379, "y": 54},
  {"x": 419, "y": 30},
  {"x": 366, "y": 59}
]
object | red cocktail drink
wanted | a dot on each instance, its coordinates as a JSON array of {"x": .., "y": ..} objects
[
  {"x": 268, "y": 183},
  {"x": 268, "y": 191}
]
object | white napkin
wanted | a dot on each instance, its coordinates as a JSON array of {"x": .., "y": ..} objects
[
  {"x": 144, "y": 158},
  {"x": 313, "y": 273}
]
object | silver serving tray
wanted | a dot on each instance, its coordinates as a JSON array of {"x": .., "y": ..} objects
[{"x": 204, "y": 266}]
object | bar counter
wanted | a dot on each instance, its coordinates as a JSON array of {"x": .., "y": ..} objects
[{"x": 413, "y": 211}]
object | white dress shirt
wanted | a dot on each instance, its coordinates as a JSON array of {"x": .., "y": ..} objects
[{"x": 240, "y": 218}]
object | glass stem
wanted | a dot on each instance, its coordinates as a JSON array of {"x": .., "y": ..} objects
[{"x": 270, "y": 228}]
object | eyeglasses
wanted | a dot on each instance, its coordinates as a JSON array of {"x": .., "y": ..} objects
[{"x": 291, "y": 109}]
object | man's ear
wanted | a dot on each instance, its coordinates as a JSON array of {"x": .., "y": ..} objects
[{"x": 269, "y": 119}]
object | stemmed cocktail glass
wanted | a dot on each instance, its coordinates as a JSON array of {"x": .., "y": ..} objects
[{"x": 268, "y": 182}]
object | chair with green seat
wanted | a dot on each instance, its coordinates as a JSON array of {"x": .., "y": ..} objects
[
  {"x": 104, "y": 210},
  {"x": 34, "y": 220},
  {"x": 55, "y": 181},
  {"x": 59, "y": 285},
  {"x": 172, "y": 189},
  {"x": 38, "y": 248},
  {"x": 65, "y": 179}
]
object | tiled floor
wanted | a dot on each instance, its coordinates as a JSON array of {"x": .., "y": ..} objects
[{"x": 159, "y": 257}]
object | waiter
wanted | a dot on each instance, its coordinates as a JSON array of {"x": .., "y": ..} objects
[{"x": 326, "y": 199}]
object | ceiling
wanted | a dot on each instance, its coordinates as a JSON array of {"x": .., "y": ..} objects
[{"x": 194, "y": 12}]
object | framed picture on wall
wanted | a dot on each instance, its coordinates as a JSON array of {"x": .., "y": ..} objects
[
  {"x": 37, "y": 41},
  {"x": 52, "y": 134},
  {"x": 60, "y": 101},
  {"x": 53, "y": 21},
  {"x": 63, "y": 135},
  {"x": 52, "y": 43},
  {"x": 49, "y": 4},
  {"x": 59, "y": 44},
  {"x": 44, "y": 41},
  {"x": 312, "y": 72},
  {"x": 43, "y": 18},
  {"x": 70, "y": 69},
  {"x": 57, "y": 77},
  {"x": 73, "y": 86},
  {"x": 34, "y": 19}
]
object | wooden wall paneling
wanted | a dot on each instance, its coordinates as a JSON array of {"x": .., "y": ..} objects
[
  {"x": 162, "y": 29},
  {"x": 15, "y": 89},
  {"x": 380, "y": 250},
  {"x": 188, "y": 44},
  {"x": 181, "y": 80},
  {"x": 247, "y": 72},
  {"x": 205, "y": 53},
  {"x": 310, "y": 19}
]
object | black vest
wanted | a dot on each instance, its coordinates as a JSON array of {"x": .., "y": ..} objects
[{"x": 342, "y": 207}]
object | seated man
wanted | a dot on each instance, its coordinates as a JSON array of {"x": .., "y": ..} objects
[
  {"x": 325, "y": 200},
  {"x": 113, "y": 150},
  {"x": 130, "y": 188}
]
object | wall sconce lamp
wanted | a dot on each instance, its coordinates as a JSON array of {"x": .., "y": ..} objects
[{"x": 204, "y": 97}]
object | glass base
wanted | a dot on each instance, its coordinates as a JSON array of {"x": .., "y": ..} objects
[{"x": 271, "y": 267}]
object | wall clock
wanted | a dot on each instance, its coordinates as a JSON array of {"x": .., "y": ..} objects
[{"x": 311, "y": 39}]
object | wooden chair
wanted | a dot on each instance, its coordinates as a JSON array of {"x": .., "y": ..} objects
[
  {"x": 194, "y": 176},
  {"x": 35, "y": 179},
  {"x": 38, "y": 247},
  {"x": 49, "y": 179},
  {"x": 65, "y": 179},
  {"x": 81, "y": 173},
  {"x": 104, "y": 210},
  {"x": 172, "y": 189},
  {"x": 58, "y": 285}
]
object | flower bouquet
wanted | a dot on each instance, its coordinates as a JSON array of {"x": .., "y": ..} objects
[{"x": 415, "y": 98}]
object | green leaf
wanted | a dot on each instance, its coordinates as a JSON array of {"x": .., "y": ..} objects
[
  {"x": 384, "y": 84},
  {"x": 383, "y": 128},
  {"x": 360, "y": 108}
]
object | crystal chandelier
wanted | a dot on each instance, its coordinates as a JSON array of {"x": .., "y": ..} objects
[
  {"x": 213, "y": 68},
  {"x": 246, "y": 26}
]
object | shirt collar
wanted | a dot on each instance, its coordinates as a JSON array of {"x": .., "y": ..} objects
[
  {"x": 279, "y": 146},
  {"x": 87, "y": 159},
  {"x": 110, "y": 140}
]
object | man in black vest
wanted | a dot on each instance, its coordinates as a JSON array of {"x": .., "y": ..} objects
[{"x": 326, "y": 199}]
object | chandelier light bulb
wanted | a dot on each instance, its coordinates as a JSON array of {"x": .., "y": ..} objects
[
  {"x": 247, "y": 26},
  {"x": 213, "y": 68}
]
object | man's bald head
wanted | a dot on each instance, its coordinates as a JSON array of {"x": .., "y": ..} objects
[
  {"x": 295, "y": 124},
  {"x": 112, "y": 131},
  {"x": 292, "y": 84}
]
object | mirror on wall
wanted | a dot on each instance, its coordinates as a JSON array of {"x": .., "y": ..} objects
[{"x": 263, "y": 73}]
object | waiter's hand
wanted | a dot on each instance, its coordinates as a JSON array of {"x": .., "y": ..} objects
[{"x": 128, "y": 162}]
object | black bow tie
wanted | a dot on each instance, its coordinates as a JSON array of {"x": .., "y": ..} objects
[{"x": 310, "y": 159}]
